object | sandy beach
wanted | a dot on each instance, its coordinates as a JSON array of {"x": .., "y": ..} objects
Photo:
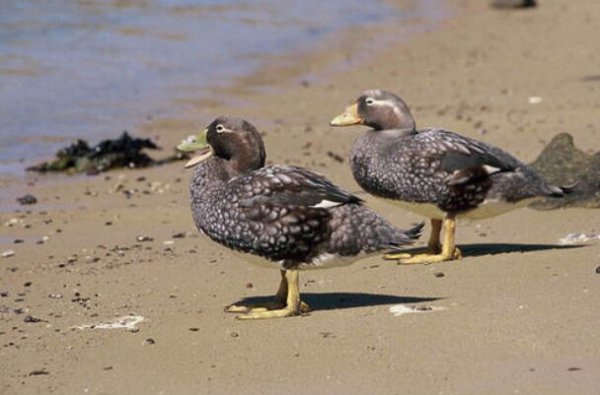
[{"x": 518, "y": 315}]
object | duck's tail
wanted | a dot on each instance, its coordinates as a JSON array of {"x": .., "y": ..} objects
[{"x": 561, "y": 191}]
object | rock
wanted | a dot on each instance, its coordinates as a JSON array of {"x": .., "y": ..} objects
[
  {"x": 561, "y": 163},
  {"x": 27, "y": 199},
  {"x": 503, "y": 4},
  {"x": 31, "y": 319}
]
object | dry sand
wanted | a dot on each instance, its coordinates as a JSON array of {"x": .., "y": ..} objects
[{"x": 519, "y": 314}]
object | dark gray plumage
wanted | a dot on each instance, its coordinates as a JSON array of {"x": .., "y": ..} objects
[
  {"x": 435, "y": 172},
  {"x": 289, "y": 217},
  {"x": 440, "y": 167}
]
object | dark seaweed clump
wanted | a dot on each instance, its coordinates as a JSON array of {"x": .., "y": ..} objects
[{"x": 80, "y": 157}]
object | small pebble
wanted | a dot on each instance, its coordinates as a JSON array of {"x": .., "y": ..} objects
[
  {"x": 598, "y": 270},
  {"x": 38, "y": 372},
  {"x": 150, "y": 341},
  {"x": 31, "y": 319},
  {"x": 439, "y": 274},
  {"x": 27, "y": 199},
  {"x": 144, "y": 238},
  {"x": 335, "y": 156},
  {"x": 194, "y": 329}
]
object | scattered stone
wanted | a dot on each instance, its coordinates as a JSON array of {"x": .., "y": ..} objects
[
  {"x": 439, "y": 274},
  {"x": 150, "y": 341},
  {"x": 27, "y": 199},
  {"x": 4, "y": 294},
  {"x": 574, "y": 369},
  {"x": 234, "y": 334},
  {"x": 598, "y": 270},
  {"x": 194, "y": 329},
  {"x": 505, "y": 4},
  {"x": 27, "y": 284},
  {"x": 179, "y": 235},
  {"x": 335, "y": 157},
  {"x": 424, "y": 308},
  {"x": 31, "y": 319},
  {"x": 55, "y": 296},
  {"x": 249, "y": 285},
  {"x": 7, "y": 254},
  {"x": 144, "y": 238},
  {"x": 38, "y": 372},
  {"x": 107, "y": 368}
]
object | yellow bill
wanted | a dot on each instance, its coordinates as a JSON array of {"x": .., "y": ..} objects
[
  {"x": 196, "y": 143},
  {"x": 348, "y": 117}
]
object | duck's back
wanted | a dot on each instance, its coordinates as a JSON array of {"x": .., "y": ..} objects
[{"x": 435, "y": 171}]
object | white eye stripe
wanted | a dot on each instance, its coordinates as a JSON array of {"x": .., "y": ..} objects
[{"x": 388, "y": 103}]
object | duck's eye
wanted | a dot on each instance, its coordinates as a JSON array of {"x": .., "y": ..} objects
[
  {"x": 220, "y": 128},
  {"x": 370, "y": 101}
]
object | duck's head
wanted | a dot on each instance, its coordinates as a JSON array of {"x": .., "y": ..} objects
[
  {"x": 231, "y": 139},
  {"x": 378, "y": 109}
]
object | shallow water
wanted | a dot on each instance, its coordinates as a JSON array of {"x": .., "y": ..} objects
[{"x": 92, "y": 68}]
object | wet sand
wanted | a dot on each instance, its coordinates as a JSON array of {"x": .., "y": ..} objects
[{"x": 519, "y": 314}]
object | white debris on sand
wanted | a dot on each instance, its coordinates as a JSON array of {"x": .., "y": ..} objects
[
  {"x": 128, "y": 322},
  {"x": 577, "y": 238},
  {"x": 400, "y": 309},
  {"x": 7, "y": 253}
]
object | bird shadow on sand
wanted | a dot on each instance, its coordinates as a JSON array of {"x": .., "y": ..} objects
[
  {"x": 481, "y": 249},
  {"x": 342, "y": 300}
]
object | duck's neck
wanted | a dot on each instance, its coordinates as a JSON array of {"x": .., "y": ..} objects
[
  {"x": 369, "y": 149},
  {"x": 210, "y": 175},
  {"x": 382, "y": 139}
]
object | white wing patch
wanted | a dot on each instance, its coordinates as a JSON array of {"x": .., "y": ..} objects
[
  {"x": 491, "y": 169},
  {"x": 326, "y": 204}
]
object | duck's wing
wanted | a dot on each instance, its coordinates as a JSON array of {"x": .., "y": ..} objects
[
  {"x": 466, "y": 159},
  {"x": 288, "y": 211},
  {"x": 293, "y": 186}
]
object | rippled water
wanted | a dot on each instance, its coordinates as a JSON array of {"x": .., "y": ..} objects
[{"x": 91, "y": 68}]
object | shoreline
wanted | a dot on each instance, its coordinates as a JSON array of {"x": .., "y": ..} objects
[
  {"x": 517, "y": 314},
  {"x": 220, "y": 84}
]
